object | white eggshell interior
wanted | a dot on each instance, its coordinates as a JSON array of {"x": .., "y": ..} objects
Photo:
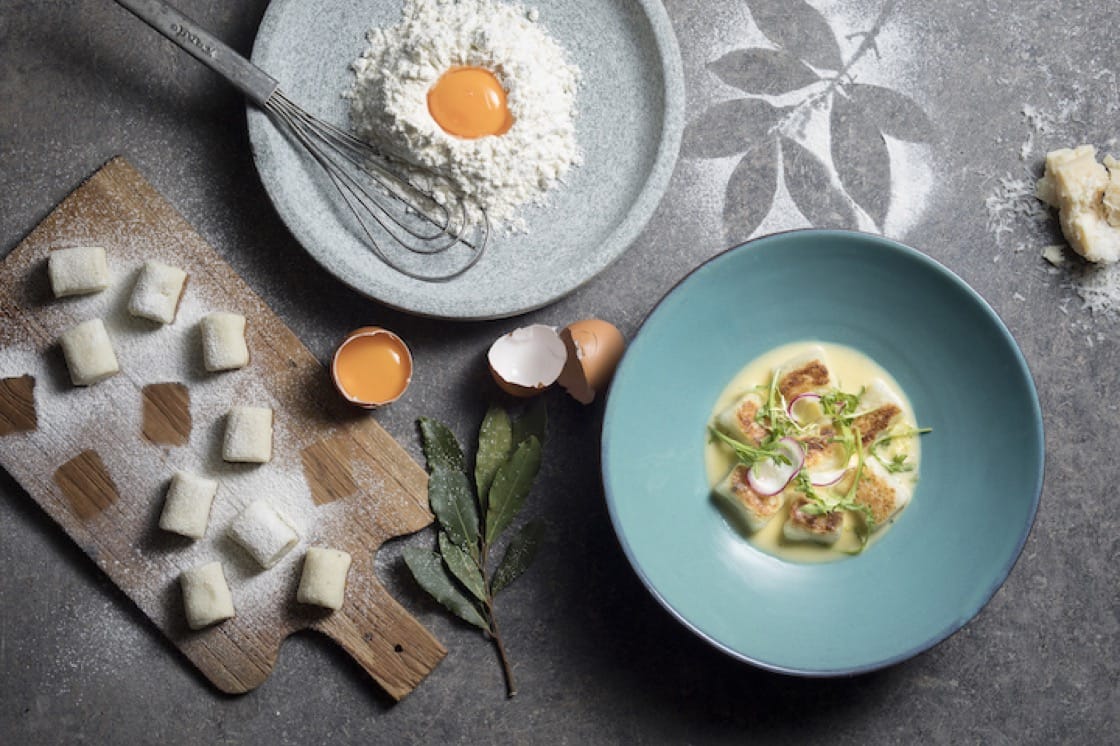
[{"x": 529, "y": 356}]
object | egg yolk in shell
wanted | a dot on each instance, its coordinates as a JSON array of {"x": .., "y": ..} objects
[{"x": 469, "y": 102}]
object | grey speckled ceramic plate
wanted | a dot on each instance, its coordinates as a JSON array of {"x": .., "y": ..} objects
[{"x": 631, "y": 115}]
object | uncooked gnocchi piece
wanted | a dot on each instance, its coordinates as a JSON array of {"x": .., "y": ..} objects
[
  {"x": 223, "y": 341},
  {"x": 264, "y": 532},
  {"x": 157, "y": 292},
  {"x": 78, "y": 270},
  {"x": 248, "y": 435},
  {"x": 89, "y": 353},
  {"x": 206, "y": 595},
  {"x": 323, "y": 581},
  {"x": 187, "y": 508}
]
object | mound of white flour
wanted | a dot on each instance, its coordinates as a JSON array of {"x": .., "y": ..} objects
[{"x": 500, "y": 173}]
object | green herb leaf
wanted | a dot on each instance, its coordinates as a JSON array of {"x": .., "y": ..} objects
[
  {"x": 440, "y": 446},
  {"x": 511, "y": 487},
  {"x": 452, "y": 500},
  {"x": 839, "y": 405},
  {"x": 433, "y": 577},
  {"x": 508, "y": 459},
  {"x": 462, "y": 566},
  {"x": 495, "y": 439},
  {"x": 804, "y": 485},
  {"x": 776, "y": 419},
  {"x": 747, "y": 453},
  {"x": 519, "y": 555},
  {"x": 898, "y": 463},
  {"x": 532, "y": 422}
]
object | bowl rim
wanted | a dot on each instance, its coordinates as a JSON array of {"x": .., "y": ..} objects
[
  {"x": 397, "y": 294},
  {"x": 999, "y": 578}
]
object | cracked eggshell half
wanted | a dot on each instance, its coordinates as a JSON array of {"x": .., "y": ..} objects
[
  {"x": 594, "y": 348},
  {"x": 527, "y": 360}
]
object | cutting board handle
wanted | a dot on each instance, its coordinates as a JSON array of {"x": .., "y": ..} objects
[{"x": 384, "y": 639}]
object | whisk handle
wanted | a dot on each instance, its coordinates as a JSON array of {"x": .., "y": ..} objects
[{"x": 255, "y": 83}]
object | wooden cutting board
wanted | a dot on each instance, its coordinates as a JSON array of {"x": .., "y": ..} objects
[{"x": 98, "y": 459}]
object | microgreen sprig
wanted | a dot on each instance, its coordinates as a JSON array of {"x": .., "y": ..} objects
[
  {"x": 820, "y": 504},
  {"x": 749, "y": 454},
  {"x": 898, "y": 463}
]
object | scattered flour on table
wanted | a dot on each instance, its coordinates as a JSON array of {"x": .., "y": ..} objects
[
  {"x": 888, "y": 60},
  {"x": 388, "y": 102},
  {"x": 1016, "y": 216},
  {"x": 1010, "y": 203},
  {"x": 891, "y": 63}
]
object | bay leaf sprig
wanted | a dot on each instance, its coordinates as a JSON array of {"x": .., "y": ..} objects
[{"x": 473, "y": 509}]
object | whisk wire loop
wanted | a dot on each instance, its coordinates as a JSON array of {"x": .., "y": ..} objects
[{"x": 380, "y": 199}]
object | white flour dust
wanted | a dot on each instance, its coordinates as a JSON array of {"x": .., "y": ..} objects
[
  {"x": 1016, "y": 217},
  {"x": 1010, "y": 204},
  {"x": 877, "y": 47},
  {"x": 72, "y": 418},
  {"x": 389, "y": 102}
]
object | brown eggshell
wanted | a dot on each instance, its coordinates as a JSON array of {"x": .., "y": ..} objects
[
  {"x": 521, "y": 392},
  {"x": 594, "y": 349}
]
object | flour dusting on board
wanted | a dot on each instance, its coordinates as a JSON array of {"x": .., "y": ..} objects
[
  {"x": 75, "y": 418},
  {"x": 89, "y": 465},
  {"x": 151, "y": 353}
]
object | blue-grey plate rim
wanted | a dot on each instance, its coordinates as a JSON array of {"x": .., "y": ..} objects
[
  {"x": 609, "y": 250},
  {"x": 998, "y": 579}
]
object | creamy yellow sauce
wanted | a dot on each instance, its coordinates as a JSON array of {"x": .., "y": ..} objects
[{"x": 850, "y": 370}]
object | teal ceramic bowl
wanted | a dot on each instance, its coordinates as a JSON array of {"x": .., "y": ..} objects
[{"x": 981, "y": 469}]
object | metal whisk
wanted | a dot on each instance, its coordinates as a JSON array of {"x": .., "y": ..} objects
[{"x": 372, "y": 183}]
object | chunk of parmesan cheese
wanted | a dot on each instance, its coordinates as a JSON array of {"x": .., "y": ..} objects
[{"x": 1087, "y": 195}]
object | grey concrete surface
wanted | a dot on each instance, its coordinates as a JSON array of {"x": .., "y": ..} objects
[{"x": 981, "y": 91}]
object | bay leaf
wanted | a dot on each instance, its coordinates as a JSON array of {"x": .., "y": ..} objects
[
  {"x": 462, "y": 566},
  {"x": 511, "y": 487},
  {"x": 519, "y": 555},
  {"x": 452, "y": 500},
  {"x": 432, "y": 575},
  {"x": 495, "y": 440},
  {"x": 439, "y": 444}
]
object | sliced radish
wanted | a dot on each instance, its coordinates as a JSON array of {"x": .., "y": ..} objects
[
  {"x": 827, "y": 477},
  {"x": 768, "y": 477},
  {"x": 805, "y": 408}
]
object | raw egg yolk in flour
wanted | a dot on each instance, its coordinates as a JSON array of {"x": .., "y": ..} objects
[{"x": 469, "y": 102}]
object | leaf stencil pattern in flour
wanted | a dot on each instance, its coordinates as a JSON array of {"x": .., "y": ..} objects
[
  {"x": 895, "y": 114},
  {"x": 800, "y": 29},
  {"x": 767, "y": 71},
  {"x": 794, "y": 96},
  {"x": 809, "y": 184},
  {"x": 861, "y": 158},
  {"x": 730, "y": 128},
  {"x": 751, "y": 189}
]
